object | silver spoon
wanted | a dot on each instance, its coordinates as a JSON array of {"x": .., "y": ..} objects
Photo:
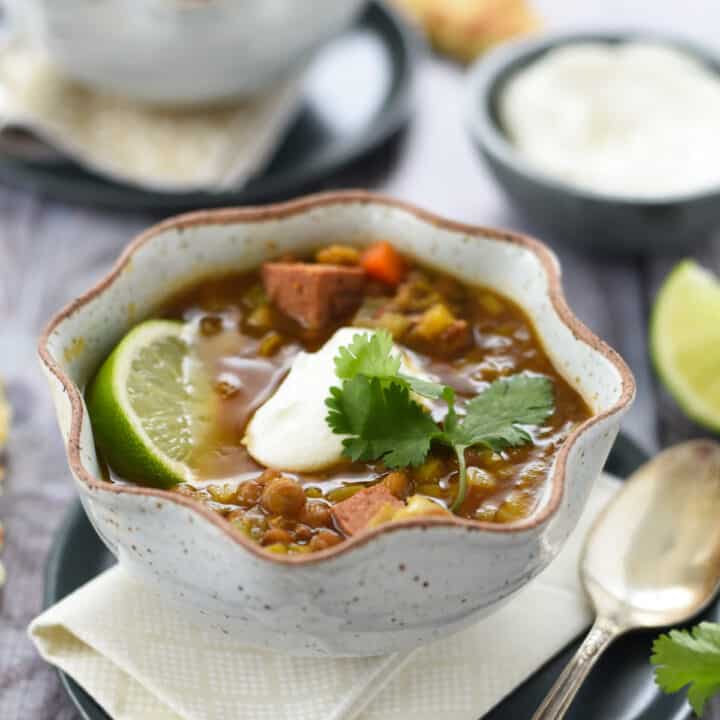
[{"x": 652, "y": 558}]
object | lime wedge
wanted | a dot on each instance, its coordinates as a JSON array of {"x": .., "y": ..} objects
[
  {"x": 151, "y": 405},
  {"x": 685, "y": 340}
]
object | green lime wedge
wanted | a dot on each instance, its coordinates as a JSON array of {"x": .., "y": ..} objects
[
  {"x": 150, "y": 405},
  {"x": 685, "y": 340}
]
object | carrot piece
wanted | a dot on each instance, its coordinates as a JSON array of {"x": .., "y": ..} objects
[{"x": 383, "y": 262}]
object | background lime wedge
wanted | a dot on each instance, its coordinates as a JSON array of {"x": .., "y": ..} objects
[{"x": 685, "y": 340}]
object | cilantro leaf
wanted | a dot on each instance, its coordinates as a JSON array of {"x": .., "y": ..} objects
[
  {"x": 384, "y": 423},
  {"x": 689, "y": 658},
  {"x": 369, "y": 355},
  {"x": 495, "y": 416}
]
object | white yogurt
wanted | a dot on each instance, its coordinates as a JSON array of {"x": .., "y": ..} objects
[
  {"x": 289, "y": 431},
  {"x": 637, "y": 119}
]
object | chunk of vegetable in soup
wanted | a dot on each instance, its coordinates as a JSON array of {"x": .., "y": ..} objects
[{"x": 248, "y": 330}]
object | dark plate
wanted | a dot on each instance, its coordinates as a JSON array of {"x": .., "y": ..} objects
[
  {"x": 357, "y": 97},
  {"x": 620, "y": 688}
]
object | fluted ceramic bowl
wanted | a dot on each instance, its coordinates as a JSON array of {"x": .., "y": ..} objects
[{"x": 389, "y": 588}]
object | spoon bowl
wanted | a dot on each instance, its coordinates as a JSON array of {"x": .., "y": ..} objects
[
  {"x": 652, "y": 558},
  {"x": 664, "y": 531}
]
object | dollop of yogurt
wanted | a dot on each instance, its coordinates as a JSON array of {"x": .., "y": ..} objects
[
  {"x": 636, "y": 119},
  {"x": 289, "y": 431}
]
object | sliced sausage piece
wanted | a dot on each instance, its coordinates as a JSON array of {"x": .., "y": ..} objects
[
  {"x": 354, "y": 514},
  {"x": 314, "y": 295}
]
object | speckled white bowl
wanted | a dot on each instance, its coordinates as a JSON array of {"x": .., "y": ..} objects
[{"x": 393, "y": 587}]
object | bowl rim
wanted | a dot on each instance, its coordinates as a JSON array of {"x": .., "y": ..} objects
[
  {"x": 279, "y": 211},
  {"x": 486, "y": 75}
]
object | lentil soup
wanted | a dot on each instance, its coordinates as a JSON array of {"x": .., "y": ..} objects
[{"x": 249, "y": 329}]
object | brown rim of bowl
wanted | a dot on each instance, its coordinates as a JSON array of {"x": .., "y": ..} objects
[{"x": 288, "y": 209}]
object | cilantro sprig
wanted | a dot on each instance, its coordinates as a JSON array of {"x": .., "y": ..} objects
[
  {"x": 382, "y": 422},
  {"x": 689, "y": 658},
  {"x": 375, "y": 408},
  {"x": 372, "y": 357}
]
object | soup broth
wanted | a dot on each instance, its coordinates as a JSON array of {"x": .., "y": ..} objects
[{"x": 461, "y": 335}]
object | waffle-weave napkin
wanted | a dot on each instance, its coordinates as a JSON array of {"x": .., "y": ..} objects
[
  {"x": 160, "y": 149},
  {"x": 144, "y": 661}
]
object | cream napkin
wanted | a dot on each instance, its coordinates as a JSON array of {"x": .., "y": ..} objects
[
  {"x": 143, "y": 662},
  {"x": 159, "y": 149}
]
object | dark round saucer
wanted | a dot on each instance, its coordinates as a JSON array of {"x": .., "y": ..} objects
[
  {"x": 357, "y": 96},
  {"x": 620, "y": 688}
]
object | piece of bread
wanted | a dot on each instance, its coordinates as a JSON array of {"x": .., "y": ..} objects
[{"x": 464, "y": 29}]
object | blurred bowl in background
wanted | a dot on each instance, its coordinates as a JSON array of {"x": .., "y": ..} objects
[
  {"x": 617, "y": 223},
  {"x": 179, "y": 52}
]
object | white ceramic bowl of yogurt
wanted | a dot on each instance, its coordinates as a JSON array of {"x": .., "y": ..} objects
[
  {"x": 179, "y": 51},
  {"x": 607, "y": 140}
]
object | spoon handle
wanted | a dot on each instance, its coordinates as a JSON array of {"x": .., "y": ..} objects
[{"x": 562, "y": 693}]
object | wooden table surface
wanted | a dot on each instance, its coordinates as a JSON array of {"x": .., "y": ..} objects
[{"x": 50, "y": 252}]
